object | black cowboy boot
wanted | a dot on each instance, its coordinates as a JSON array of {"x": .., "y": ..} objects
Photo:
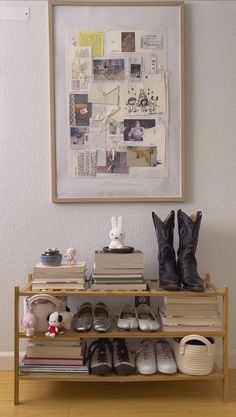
[
  {"x": 188, "y": 238},
  {"x": 169, "y": 279}
]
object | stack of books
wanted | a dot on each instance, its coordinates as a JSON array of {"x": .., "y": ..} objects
[
  {"x": 56, "y": 357},
  {"x": 62, "y": 277},
  {"x": 190, "y": 314},
  {"x": 118, "y": 271}
]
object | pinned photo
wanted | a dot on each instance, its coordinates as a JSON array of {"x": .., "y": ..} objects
[
  {"x": 145, "y": 98},
  {"x": 135, "y": 71},
  {"x": 108, "y": 69},
  {"x": 140, "y": 156},
  {"x": 85, "y": 163},
  {"x": 78, "y": 135},
  {"x": 135, "y": 129},
  {"x": 80, "y": 110},
  {"x": 128, "y": 41},
  {"x": 116, "y": 163},
  {"x": 116, "y": 128}
]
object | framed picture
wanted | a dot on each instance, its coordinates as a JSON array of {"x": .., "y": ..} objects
[{"x": 117, "y": 101}]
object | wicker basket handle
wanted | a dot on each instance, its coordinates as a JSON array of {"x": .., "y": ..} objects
[
  {"x": 195, "y": 337},
  {"x": 40, "y": 297}
]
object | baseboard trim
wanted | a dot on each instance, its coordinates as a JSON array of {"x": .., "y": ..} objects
[{"x": 7, "y": 360}]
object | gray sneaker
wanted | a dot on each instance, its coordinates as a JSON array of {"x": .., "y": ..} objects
[
  {"x": 100, "y": 357},
  {"x": 123, "y": 361}
]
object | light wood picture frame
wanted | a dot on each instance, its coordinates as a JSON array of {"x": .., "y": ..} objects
[{"x": 152, "y": 169}]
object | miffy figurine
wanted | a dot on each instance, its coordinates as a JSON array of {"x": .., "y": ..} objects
[{"x": 117, "y": 234}]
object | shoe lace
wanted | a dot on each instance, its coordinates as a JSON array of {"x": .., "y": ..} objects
[
  {"x": 99, "y": 347},
  {"x": 146, "y": 348},
  {"x": 163, "y": 350},
  {"x": 122, "y": 350}
]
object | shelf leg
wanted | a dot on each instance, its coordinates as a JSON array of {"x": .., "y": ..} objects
[
  {"x": 225, "y": 348},
  {"x": 16, "y": 346}
]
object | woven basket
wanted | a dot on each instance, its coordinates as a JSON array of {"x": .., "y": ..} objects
[
  {"x": 41, "y": 305},
  {"x": 195, "y": 354}
]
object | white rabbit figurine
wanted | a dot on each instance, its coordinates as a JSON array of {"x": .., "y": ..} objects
[{"x": 117, "y": 234}]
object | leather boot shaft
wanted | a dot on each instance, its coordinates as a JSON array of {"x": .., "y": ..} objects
[
  {"x": 169, "y": 279},
  {"x": 188, "y": 239}
]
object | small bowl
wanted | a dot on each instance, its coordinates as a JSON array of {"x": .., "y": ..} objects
[{"x": 51, "y": 260}]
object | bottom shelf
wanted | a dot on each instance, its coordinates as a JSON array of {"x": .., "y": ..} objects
[{"x": 117, "y": 378}]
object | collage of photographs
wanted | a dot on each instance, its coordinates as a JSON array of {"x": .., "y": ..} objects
[{"x": 117, "y": 103}]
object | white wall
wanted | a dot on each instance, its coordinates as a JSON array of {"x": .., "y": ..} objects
[{"x": 29, "y": 222}]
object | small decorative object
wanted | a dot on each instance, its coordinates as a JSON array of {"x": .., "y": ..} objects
[
  {"x": 117, "y": 234},
  {"x": 51, "y": 257},
  {"x": 54, "y": 320},
  {"x": 71, "y": 255},
  {"x": 29, "y": 321}
]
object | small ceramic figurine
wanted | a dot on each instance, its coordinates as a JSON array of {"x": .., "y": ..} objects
[
  {"x": 71, "y": 256},
  {"x": 29, "y": 321},
  {"x": 117, "y": 234}
]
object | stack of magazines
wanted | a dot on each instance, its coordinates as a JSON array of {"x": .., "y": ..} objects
[
  {"x": 54, "y": 357},
  {"x": 62, "y": 277}
]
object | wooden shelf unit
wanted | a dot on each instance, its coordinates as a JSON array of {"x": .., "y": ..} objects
[{"x": 153, "y": 291}]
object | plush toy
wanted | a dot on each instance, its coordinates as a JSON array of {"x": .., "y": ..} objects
[
  {"x": 54, "y": 320},
  {"x": 29, "y": 321},
  {"x": 117, "y": 234}
]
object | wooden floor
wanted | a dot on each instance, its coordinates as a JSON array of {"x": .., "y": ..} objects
[{"x": 152, "y": 399}]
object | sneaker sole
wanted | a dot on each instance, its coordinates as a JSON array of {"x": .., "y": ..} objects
[{"x": 101, "y": 370}]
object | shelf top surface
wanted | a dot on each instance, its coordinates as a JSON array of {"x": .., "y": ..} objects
[{"x": 153, "y": 289}]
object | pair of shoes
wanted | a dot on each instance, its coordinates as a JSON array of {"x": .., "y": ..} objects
[
  {"x": 142, "y": 318},
  {"x": 87, "y": 317},
  {"x": 105, "y": 357},
  {"x": 155, "y": 356},
  {"x": 174, "y": 274}
]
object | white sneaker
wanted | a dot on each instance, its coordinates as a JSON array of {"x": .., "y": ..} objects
[
  {"x": 146, "y": 358},
  {"x": 128, "y": 319},
  {"x": 147, "y": 321},
  {"x": 165, "y": 359}
]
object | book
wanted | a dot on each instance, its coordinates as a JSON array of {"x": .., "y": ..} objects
[
  {"x": 115, "y": 271},
  {"x": 53, "y": 369},
  {"x": 111, "y": 260},
  {"x": 63, "y": 271},
  {"x": 116, "y": 276},
  {"x": 43, "y": 280},
  {"x": 122, "y": 287},
  {"x": 190, "y": 300},
  {"x": 192, "y": 329},
  {"x": 57, "y": 286},
  {"x": 191, "y": 321},
  {"x": 115, "y": 281},
  {"x": 59, "y": 268},
  {"x": 75, "y": 350},
  {"x": 190, "y": 312},
  {"x": 31, "y": 360}
]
